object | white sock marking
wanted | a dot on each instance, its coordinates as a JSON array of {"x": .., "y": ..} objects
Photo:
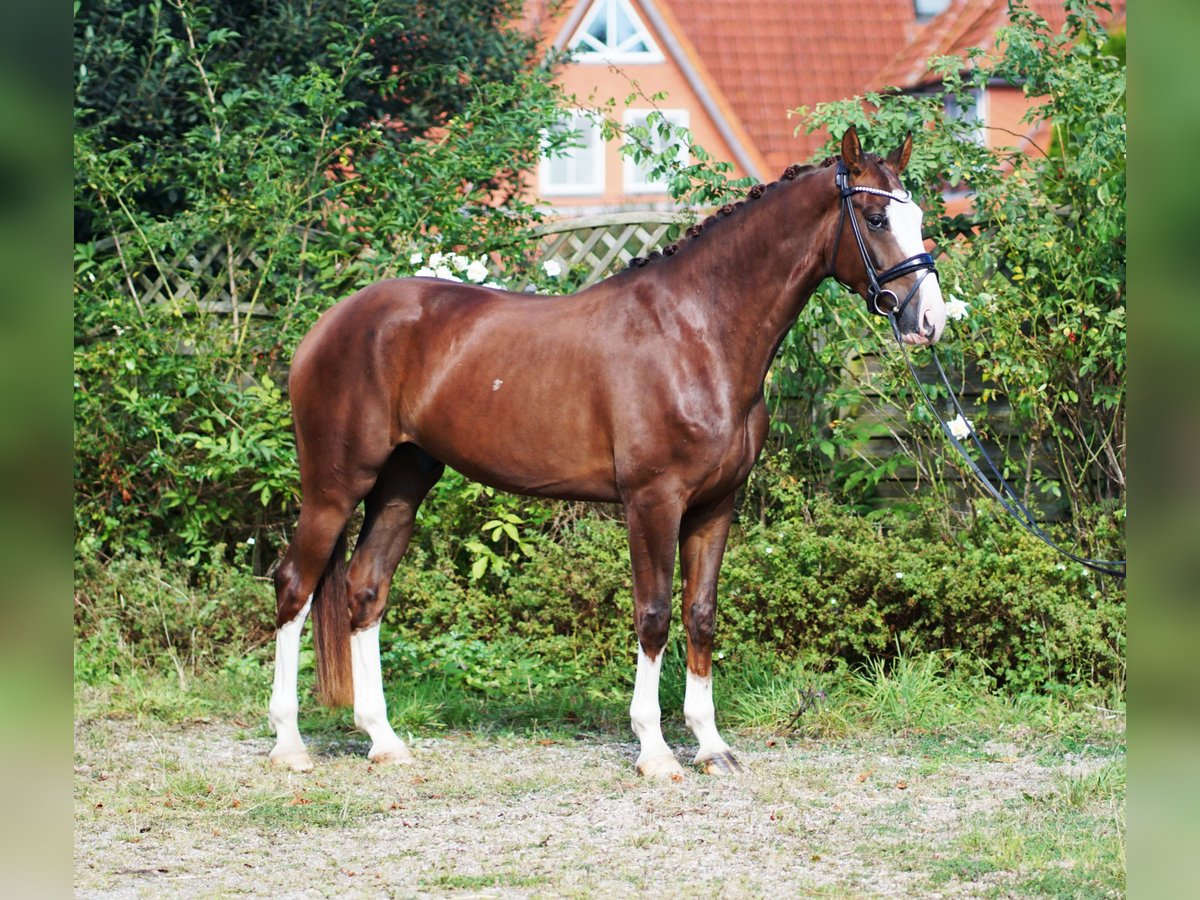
[
  {"x": 370, "y": 707},
  {"x": 644, "y": 712},
  {"x": 284, "y": 708},
  {"x": 701, "y": 716}
]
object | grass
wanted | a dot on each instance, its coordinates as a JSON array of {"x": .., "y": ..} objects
[
  {"x": 878, "y": 741},
  {"x": 476, "y": 882},
  {"x": 920, "y": 697}
]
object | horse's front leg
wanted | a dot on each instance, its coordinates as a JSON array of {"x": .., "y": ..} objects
[
  {"x": 702, "y": 537},
  {"x": 653, "y": 531}
]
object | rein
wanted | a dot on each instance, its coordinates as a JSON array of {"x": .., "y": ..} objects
[
  {"x": 923, "y": 262},
  {"x": 1005, "y": 494}
]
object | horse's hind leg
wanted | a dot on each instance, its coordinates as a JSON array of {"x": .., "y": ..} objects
[
  {"x": 391, "y": 508},
  {"x": 702, "y": 545},
  {"x": 307, "y": 557}
]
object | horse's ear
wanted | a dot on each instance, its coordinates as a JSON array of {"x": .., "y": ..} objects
[
  {"x": 898, "y": 158},
  {"x": 852, "y": 150}
]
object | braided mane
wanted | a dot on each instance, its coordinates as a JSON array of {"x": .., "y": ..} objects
[{"x": 791, "y": 173}]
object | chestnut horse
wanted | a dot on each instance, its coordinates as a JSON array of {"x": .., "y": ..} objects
[{"x": 645, "y": 389}]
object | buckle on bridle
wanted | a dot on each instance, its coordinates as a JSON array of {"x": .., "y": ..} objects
[{"x": 896, "y": 309}]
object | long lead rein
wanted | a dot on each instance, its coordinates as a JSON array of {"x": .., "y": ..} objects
[{"x": 1008, "y": 497}]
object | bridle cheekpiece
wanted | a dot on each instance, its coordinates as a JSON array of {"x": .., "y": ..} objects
[{"x": 921, "y": 262}]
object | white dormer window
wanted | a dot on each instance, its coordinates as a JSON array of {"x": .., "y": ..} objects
[{"x": 613, "y": 32}]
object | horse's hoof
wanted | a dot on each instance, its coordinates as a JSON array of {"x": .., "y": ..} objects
[
  {"x": 393, "y": 756},
  {"x": 720, "y": 764},
  {"x": 296, "y": 760},
  {"x": 666, "y": 766}
]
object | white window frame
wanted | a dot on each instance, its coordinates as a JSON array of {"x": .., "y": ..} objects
[
  {"x": 585, "y": 53},
  {"x": 977, "y": 115},
  {"x": 635, "y": 174},
  {"x": 593, "y": 143}
]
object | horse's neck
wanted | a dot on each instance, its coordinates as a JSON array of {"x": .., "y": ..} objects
[{"x": 751, "y": 278}]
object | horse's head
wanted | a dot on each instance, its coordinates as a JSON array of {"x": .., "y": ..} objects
[{"x": 878, "y": 250}]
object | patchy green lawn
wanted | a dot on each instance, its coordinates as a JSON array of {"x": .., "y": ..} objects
[{"x": 980, "y": 807}]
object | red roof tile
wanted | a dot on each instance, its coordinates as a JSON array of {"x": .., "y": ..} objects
[
  {"x": 965, "y": 24},
  {"x": 768, "y": 57}
]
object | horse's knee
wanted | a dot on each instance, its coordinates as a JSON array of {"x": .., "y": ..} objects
[
  {"x": 701, "y": 623},
  {"x": 653, "y": 624},
  {"x": 366, "y": 607}
]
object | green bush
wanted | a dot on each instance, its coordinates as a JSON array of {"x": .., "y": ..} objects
[
  {"x": 808, "y": 581},
  {"x": 850, "y": 588},
  {"x": 1039, "y": 260},
  {"x": 137, "y": 614}
]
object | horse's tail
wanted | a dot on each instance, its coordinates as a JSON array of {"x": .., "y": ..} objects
[{"x": 331, "y": 631}]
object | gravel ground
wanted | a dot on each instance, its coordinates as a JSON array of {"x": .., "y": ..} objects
[{"x": 195, "y": 809}]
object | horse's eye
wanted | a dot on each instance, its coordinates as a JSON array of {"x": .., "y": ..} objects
[{"x": 877, "y": 220}]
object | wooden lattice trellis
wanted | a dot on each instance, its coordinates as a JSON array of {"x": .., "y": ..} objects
[
  {"x": 602, "y": 243},
  {"x": 199, "y": 274},
  {"x": 205, "y": 275}
]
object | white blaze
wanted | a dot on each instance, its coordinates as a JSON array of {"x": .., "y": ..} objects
[{"x": 904, "y": 219}]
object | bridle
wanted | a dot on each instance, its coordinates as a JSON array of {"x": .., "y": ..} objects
[
  {"x": 999, "y": 489},
  {"x": 921, "y": 262}
]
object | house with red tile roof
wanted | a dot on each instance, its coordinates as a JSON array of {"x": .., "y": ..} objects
[
  {"x": 733, "y": 69},
  {"x": 966, "y": 24}
]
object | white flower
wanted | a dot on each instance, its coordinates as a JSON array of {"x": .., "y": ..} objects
[
  {"x": 436, "y": 260},
  {"x": 460, "y": 262},
  {"x": 552, "y": 268},
  {"x": 447, "y": 273},
  {"x": 250, "y": 542},
  {"x": 955, "y": 308},
  {"x": 416, "y": 259},
  {"x": 899, "y": 574},
  {"x": 770, "y": 549},
  {"x": 960, "y": 427},
  {"x": 425, "y": 272},
  {"x": 477, "y": 272}
]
